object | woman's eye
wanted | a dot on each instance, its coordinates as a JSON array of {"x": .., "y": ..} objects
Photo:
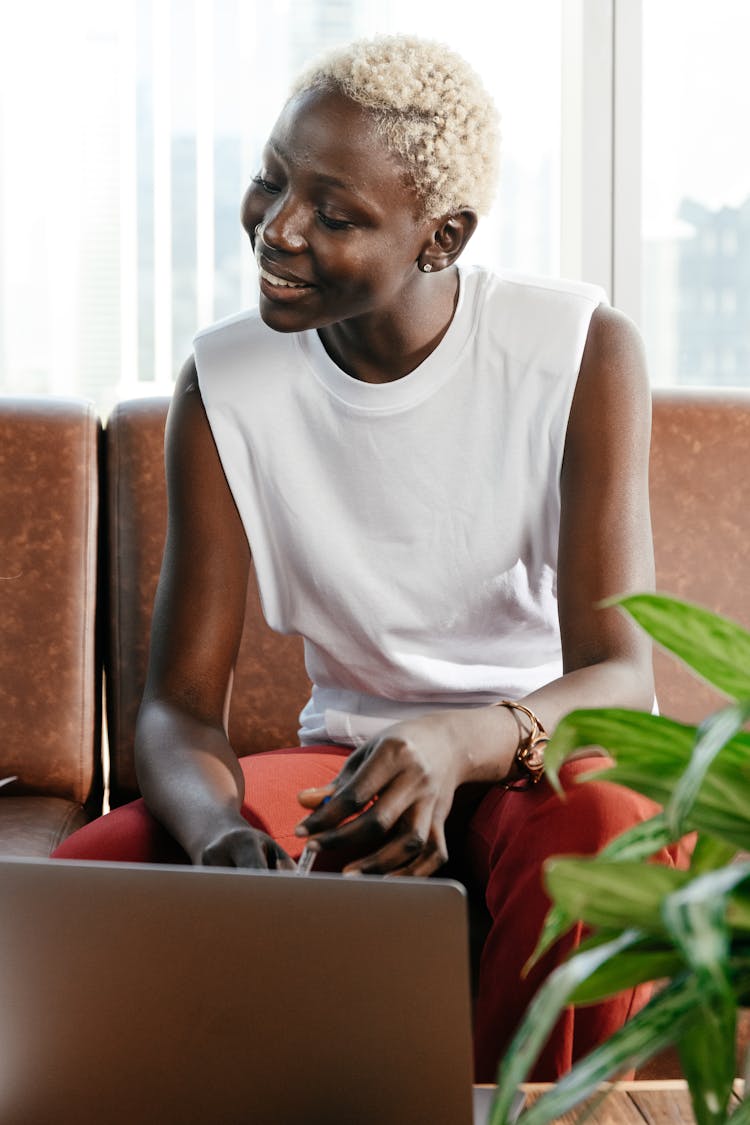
[
  {"x": 272, "y": 189},
  {"x": 334, "y": 224}
]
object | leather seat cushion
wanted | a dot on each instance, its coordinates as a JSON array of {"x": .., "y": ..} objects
[{"x": 34, "y": 826}]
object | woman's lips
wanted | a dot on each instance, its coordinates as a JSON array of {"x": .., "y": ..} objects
[{"x": 283, "y": 282}]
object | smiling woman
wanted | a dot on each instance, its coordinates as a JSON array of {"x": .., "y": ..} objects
[
  {"x": 440, "y": 473},
  {"x": 371, "y": 148},
  {"x": 337, "y": 225}
]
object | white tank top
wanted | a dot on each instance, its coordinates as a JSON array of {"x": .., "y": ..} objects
[{"x": 407, "y": 531}]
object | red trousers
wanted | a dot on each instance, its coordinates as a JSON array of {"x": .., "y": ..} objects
[{"x": 498, "y": 841}]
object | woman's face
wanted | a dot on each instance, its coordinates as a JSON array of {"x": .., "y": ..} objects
[{"x": 333, "y": 218}]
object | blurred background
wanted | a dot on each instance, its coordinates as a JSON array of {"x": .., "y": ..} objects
[{"x": 130, "y": 128}]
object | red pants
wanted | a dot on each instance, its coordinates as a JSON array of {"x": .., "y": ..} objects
[{"x": 498, "y": 842}]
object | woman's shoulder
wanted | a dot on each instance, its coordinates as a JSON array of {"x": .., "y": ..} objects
[
  {"x": 541, "y": 321},
  {"x": 533, "y": 290},
  {"x": 237, "y": 328},
  {"x": 237, "y": 346}
]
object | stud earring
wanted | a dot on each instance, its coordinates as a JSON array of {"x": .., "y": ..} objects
[{"x": 426, "y": 268}]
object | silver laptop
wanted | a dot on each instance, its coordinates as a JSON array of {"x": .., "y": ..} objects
[{"x": 145, "y": 994}]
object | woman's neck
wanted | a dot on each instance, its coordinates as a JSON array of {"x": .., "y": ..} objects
[{"x": 384, "y": 348}]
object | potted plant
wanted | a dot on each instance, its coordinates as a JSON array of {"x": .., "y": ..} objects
[{"x": 690, "y": 928}]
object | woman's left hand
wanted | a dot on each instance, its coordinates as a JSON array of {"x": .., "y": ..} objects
[{"x": 394, "y": 793}]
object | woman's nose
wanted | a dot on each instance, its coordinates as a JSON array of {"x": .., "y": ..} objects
[{"x": 282, "y": 227}]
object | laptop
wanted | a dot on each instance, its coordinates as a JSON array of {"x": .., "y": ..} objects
[{"x": 140, "y": 994}]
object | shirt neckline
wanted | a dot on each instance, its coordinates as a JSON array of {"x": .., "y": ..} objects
[{"x": 409, "y": 389}]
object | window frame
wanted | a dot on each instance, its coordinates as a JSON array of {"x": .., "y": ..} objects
[{"x": 601, "y": 147}]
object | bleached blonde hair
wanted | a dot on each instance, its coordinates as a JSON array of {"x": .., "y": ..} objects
[{"x": 430, "y": 108}]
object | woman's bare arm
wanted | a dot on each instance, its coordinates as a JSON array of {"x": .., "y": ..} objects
[
  {"x": 188, "y": 773},
  {"x": 605, "y": 531}
]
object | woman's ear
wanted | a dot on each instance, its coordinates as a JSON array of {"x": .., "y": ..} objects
[{"x": 449, "y": 237}]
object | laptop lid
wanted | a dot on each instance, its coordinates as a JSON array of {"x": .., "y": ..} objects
[{"x": 167, "y": 994}]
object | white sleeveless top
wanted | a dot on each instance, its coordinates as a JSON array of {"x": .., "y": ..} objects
[{"x": 408, "y": 530}]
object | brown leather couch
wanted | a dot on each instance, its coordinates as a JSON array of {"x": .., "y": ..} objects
[
  {"x": 700, "y": 510},
  {"x": 699, "y": 473},
  {"x": 50, "y": 674},
  {"x": 700, "y": 469}
]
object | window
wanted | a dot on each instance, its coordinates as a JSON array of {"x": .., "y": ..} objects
[
  {"x": 696, "y": 190},
  {"x": 130, "y": 130}
]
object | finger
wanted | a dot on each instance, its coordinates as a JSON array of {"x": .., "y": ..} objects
[
  {"x": 370, "y": 780},
  {"x": 417, "y": 844},
  {"x": 317, "y": 795},
  {"x": 394, "y": 857},
  {"x": 311, "y": 798},
  {"x": 423, "y": 869},
  {"x": 349, "y": 768},
  {"x": 429, "y": 863},
  {"x": 366, "y": 828},
  {"x": 278, "y": 859}
]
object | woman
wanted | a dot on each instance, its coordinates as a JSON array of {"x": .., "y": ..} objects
[{"x": 441, "y": 474}]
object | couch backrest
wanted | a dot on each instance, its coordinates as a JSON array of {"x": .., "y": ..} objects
[
  {"x": 700, "y": 508},
  {"x": 699, "y": 474},
  {"x": 49, "y": 673},
  {"x": 270, "y": 683}
]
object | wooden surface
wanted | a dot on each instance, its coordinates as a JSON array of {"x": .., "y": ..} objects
[{"x": 633, "y": 1103}]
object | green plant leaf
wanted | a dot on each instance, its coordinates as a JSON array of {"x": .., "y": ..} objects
[
  {"x": 695, "y": 917},
  {"x": 705, "y": 1048},
  {"x": 541, "y": 1016},
  {"x": 715, "y": 648},
  {"x": 712, "y": 735},
  {"x": 720, "y": 808},
  {"x": 739, "y": 967},
  {"x": 585, "y": 885},
  {"x": 638, "y": 842},
  {"x": 628, "y": 969},
  {"x": 709, "y": 854},
  {"x": 612, "y": 893},
  {"x": 556, "y": 923},
  {"x": 738, "y": 913},
  {"x": 660, "y": 1023},
  {"x": 741, "y": 1115},
  {"x": 693, "y": 926},
  {"x": 651, "y": 752},
  {"x": 647, "y": 739}
]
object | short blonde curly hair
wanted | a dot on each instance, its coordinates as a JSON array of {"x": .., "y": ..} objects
[{"x": 431, "y": 108}]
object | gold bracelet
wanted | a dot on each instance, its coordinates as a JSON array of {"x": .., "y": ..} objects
[{"x": 529, "y": 756}]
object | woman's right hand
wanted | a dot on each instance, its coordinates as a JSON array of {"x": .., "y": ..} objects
[{"x": 241, "y": 845}]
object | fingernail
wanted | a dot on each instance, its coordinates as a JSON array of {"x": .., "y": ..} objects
[
  {"x": 349, "y": 871},
  {"x": 300, "y": 830},
  {"x": 312, "y": 792}
]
